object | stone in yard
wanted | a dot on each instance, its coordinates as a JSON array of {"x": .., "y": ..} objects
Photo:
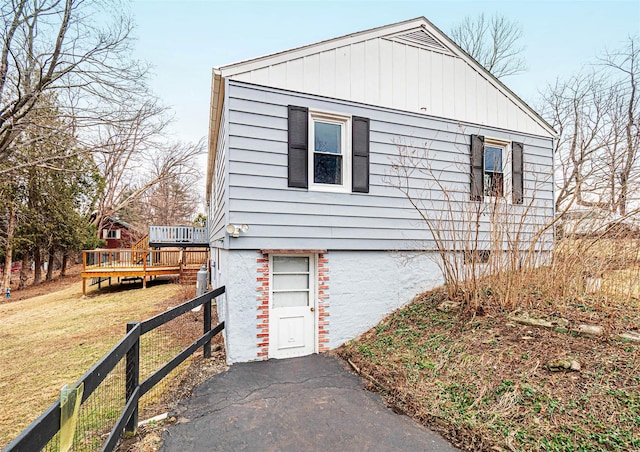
[
  {"x": 559, "y": 322},
  {"x": 449, "y": 306},
  {"x": 525, "y": 319},
  {"x": 633, "y": 336},
  {"x": 563, "y": 364},
  {"x": 589, "y": 330}
]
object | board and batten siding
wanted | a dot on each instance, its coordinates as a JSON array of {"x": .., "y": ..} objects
[
  {"x": 280, "y": 217},
  {"x": 402, "y": 76},
  {"x": 218, "y": 208}
]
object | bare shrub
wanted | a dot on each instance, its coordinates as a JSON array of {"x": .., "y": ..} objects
[{"x": 494, "y": 252}]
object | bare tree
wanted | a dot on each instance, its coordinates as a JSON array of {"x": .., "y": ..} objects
[
  {"x": 172, "y": 201},
  {"x": 133, "y": 159},
  {"x": 625, "y": 119},
  {"x": 577, "y": 110},
  {"x": 597, "y": 116},
  {"x": 79, "y": 50},
  {"x": 493, "y": 42}
]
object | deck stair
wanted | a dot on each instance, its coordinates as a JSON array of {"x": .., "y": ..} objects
[
  {"x": 142, "y": 244},
  {"x": 189, "y": 275}
]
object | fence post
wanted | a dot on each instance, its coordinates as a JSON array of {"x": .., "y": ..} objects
[
  {"x": 132, "y": 379},
  {"x": 206, "y": 349}
]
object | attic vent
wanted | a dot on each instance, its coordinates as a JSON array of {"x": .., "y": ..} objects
[{"x": 420, "y": 38}]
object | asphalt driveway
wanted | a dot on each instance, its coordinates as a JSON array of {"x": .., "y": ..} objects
[{"x": 298, "y": 404}]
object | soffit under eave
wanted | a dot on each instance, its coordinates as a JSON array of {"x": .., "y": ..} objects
[{"x": 215, "y": 116}]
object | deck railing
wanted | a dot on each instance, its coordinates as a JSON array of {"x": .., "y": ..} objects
[
  {"x": 126, "y": 258},
  {"x": 119, "y": 258},
  {"x": 195, "y": 257},
  {"x": 179, "y": 235}
]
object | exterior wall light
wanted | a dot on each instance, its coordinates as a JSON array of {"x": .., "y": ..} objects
[{"x": 234, "y": 230}]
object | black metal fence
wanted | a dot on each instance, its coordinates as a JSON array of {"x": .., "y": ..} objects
[{"x": 43, "y": 433}]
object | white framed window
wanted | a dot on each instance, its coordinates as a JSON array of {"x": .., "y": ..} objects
[
  {"x": 496, "y": 174},
  {"x": 291, "y": 281},
  {"x": 329, "y": 151},
  {"x": 111, "y": 233}
]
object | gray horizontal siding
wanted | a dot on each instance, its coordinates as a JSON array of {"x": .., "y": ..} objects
[
  {"x": 450, "y": 176},
  {"x": 267, "y": 200},
  {"x": 253, "y": 242},
  {"x": 219, "y": 207},
  {"x": 280, "y": 217}
]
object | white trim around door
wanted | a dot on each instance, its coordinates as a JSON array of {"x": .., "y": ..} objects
[{"x": 292, "y": 305}]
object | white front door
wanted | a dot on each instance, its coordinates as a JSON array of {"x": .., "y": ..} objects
[{"x": 292, "y": 310}]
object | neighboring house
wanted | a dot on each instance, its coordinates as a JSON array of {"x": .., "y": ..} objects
[
  {"x": 118, "y": 234},
  {"x": 300, "y": 146},
  {"x": 594, "y": 222}
]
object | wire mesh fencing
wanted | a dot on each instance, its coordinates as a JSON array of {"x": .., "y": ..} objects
[
  {"x": 98, "y": 413},
  {"x": 132, "y": 375}
]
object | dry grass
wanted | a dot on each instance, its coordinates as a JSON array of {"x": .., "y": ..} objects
[
  {"x": 53, "y": 339},
  {"x": 484, "y": 383}
]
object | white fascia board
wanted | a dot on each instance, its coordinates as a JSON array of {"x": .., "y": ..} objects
[{"x": 310, "y": 49}]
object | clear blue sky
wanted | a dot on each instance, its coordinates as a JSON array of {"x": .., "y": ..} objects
[{"x": 184, "y": 40}]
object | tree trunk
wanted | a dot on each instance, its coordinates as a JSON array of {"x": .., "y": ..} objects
[
  {"x": 50, "y": 264},
  {"x": 8, "y": 251},
  {"x": 63, "y": 266},
  {"x": 24, "y": 270},
  {"x": 37, "y": 266}
]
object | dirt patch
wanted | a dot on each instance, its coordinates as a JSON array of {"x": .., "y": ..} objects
[
  {"x": 484, "y": 382},
  {"x": 45, "y": 287}
]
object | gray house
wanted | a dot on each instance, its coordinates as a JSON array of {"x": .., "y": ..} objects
[{"x": 308, "y": 232}]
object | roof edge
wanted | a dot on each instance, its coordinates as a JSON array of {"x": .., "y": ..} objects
[
  {"x": 227, "y": 69},
  {"x": 297, "y": 52},
  {"x": 215, "y": 116}
]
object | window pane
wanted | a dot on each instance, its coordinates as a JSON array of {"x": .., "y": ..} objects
[
  {"x": 290, "y": 299},
  {"x": 492, "y": 159},
  {"x": 327, "y": 137},
  {"x": 493, "y": 184},
  {"x": 327, "y": 169},
  {"x": 290, "y": 264},
  {"x": 290, "y": 282}
]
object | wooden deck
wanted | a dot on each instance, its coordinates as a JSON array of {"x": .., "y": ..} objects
[{"x": 131, "y": 263}]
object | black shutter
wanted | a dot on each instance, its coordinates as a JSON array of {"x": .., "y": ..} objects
[
  {"x": 360, "y": 154},
  {"x": 477, "y": 167},
  {"x": 516, "y": 150},
  {"x": 298, "y": 161}
]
